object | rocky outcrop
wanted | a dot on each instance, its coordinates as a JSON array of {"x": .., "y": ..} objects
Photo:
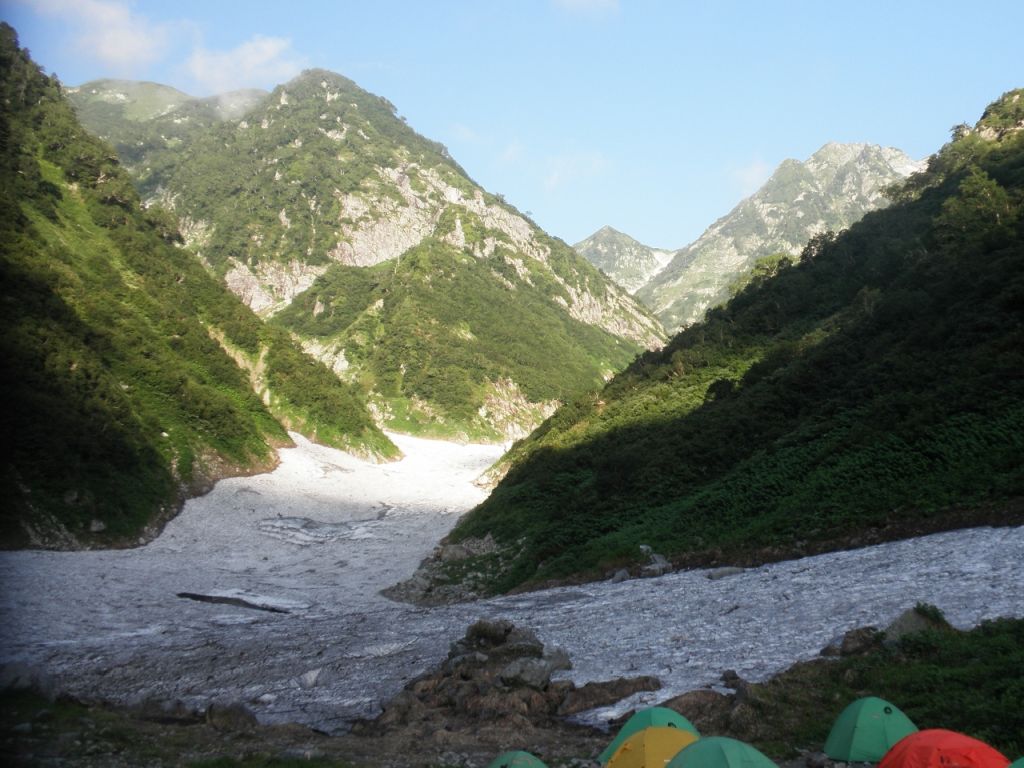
[
  {"x": 509, "y": 412},
  {"x": 452, "y": 573},
  {"x": 628, "y": 262},
  {"x": 498, "y": 676},
  {"x": 271, "y": 286}
]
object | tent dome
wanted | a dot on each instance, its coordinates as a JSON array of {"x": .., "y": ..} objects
[
  {"x": 866, "y": 730},
  {"x": 720, "y": 752},
  {"x": 516, "y": 759},
  {"x": 646, "y": 718},
  {"x": 938, "y": 748},
  {"x": 651, "y": 747}
]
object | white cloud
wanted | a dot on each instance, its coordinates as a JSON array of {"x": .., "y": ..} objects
[
  {"x": 573, "y": 167},
  {"x": 111, "y": 32},
  {"x": 260, "y": 61},
  {"x": 751, "y": 176}
]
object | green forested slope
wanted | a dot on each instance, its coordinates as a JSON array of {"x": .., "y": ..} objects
[
  {"x": 879, "y": 381},
  {"x": 119, "y": 396},
  {"x": 437, "y": 338},
  {"x": 478, "y": 324}
]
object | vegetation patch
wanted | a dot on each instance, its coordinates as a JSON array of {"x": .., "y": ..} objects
[{"x": 876, "y": 383}]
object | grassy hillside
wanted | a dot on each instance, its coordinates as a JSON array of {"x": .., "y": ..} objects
[
  {"x": 130, "y": 374},
  {"x": 438, "y": 338},
  {"x": 878, "y": 381}
]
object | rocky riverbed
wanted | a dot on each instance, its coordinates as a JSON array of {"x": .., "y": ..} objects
[{"x": 266, "y": 592}]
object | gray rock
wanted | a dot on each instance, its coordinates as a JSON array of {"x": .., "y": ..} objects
[
  {"x": 311, "y": 678},
  {"x": 658, "y": 566},
  {"x": 645, "y": 550},
  {"x": 534, "y": 673},
  {"x": 619, "y": 576},
  {"x": 721, "y": 573},
  {"x": 97, "y": 526}
]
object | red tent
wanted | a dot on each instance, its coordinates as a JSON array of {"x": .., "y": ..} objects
[{"x": 938, "y": 748}]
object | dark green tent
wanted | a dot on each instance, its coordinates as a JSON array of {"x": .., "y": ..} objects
[
  {"x": 518, "y": 759},
  {"x": 720, "y": 752},
  {"x": 866, "y": 730},
  {"x": 657, "y": 717}
]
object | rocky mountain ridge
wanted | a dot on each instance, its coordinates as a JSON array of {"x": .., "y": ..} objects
[
  {"x": 831, "y": 190},
  {"x": 628, "y": 262}
]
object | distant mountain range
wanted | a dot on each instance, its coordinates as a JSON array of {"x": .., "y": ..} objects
[{"x": 831, "y": 190}]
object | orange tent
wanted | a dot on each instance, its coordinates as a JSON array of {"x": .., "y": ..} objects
[{"x": 938, "y": 748}]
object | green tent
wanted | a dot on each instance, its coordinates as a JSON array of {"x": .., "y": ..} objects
[
  {"x": 720, "y": 752},
  {"x": 865, "y": 731},
  {"x": 517, "y": 759},
  {"x": 658, "y": 717},
  {"x": 1018, "y": 763}
]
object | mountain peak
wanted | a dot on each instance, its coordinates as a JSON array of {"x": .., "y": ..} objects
[
  {"x": 832, "y": 189},
  {"x": 627, "y": 261}
]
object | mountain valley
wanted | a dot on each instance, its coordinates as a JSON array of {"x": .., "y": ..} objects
[{"x": 290, "y": 401}]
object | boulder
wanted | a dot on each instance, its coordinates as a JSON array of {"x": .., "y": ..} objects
[
  {"x": 311, "y": 678},
  {"x": 534, "y": 673},
  {"x": 619, "y": 576},
  {"x": 658, "y": 566}
]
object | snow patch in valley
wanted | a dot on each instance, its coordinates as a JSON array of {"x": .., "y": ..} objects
[{"x": 321, "y": 535}]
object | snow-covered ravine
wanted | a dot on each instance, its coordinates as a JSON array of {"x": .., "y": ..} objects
[{"x": 320, "y": 536}]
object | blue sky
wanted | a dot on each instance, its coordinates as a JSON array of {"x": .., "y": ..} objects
[{"x": 655, "y": 117}]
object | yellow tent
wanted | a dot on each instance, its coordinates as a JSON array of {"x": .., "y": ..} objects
[{"x": 651, "y": 748}]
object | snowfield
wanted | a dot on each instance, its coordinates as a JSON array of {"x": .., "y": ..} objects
[{"x": 265, "y": 591}]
